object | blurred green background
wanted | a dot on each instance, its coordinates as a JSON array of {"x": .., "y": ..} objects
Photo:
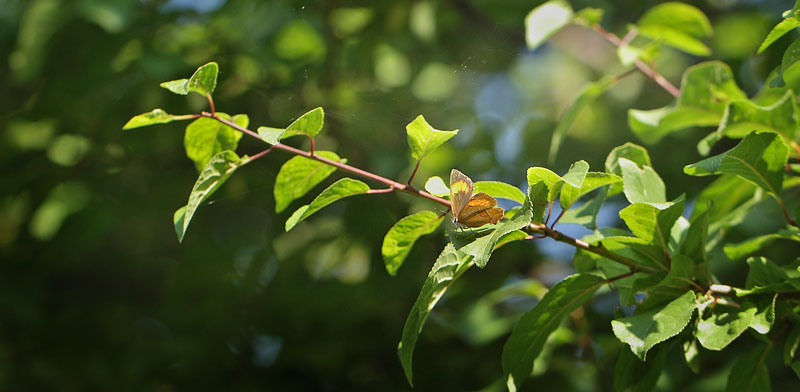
[{"x": 96, "y": 293}]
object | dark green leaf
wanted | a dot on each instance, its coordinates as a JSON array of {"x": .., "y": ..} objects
[
  {"x": 694, "y": 245},
  {"x": 157, "y": 116},
  {"x": 500, "y": 189},
  {"x": 586, "y": 214},
  {"x": 632, "y": 374},
  {"x": 299, "y": 175},
  {"x": 644, "y": 330},
  {"x": 754, "y": 244},
  {"x": 545, "y": 20},
  {"x": 692, "y": 355},
  {"x": 679, "y": 25},
  {"x": 531, "y": 332},
  {"x": 216, "y": 172},
  {"x": 679, "y": 278},
  {"x": 586, "y": 97},
  {"x": 401, "y": 237},
  {"x": 749, "y": 372},
  {"x": 338, "y": 190},
  {"x": 539, "y": 201},
  {"x": 759, "y": 158},
  {"x": 450, "y": 264},
  {"x": 792, "y": 343},
  {"x": 206, "y": 137},
  {"x": 423, "y": 138}
]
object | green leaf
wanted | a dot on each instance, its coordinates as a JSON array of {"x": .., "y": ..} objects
[
  {"x": 206, "y": 137},
  {"x": 679, "y": 278},
  {"x": 531, "y": 332},
  {"x": 754, "y": 244},
  {"x": 644, "y": 330},
  {"x": 271, "y": 135},
  {"x": 309, "y": 124},
  {"x": 218, "y": 169},
  {"x": 545, "y": 20},
  {"x": 790, "y": 65},
  {"x": 759, "y": 158},
  {"x": 449, "y": 266},
  {"x": 778, "y": 31},
  {"x": 639, "y": 376},
  {"x": 299, "y": 175},
  {"x": 401, "y": 237},
  {"x": 586, "y": 214},
  {"x": 483, "y": 247},
  {"x": 628, "y": 151},
  {"x": 765, "y": 276},
  {"x": 589, "y": 93},
  {"x": 203, "y": 81},
  {"x": 749, "y": 372},
  {"x": 576, "y": 174},
  {"x": 423, "y": 138},
  {"x": 706, "y": 89},
  {"x": 653, "y": 224},
  {"x": 500, "y": 189},
  {"x": 157, "y": 116},
  {"x": 725, "y": 325},
  {"x": 552, "y": 180},
  {"x": 641, "y": 185},
  {"x": 592, "y": 181},
  {"x": 792, "y": 343},
  {"x": 436, "y": 186},
  {"x": 589, "y": 16},
  {"x": 742, "y": 117},
  {"x": 694, "y": 244},
  {"x": 796, "y": 368},
  {"x": 692, "y": 355},
  {"x": 679, "y": 25},
  {"x": 539, "y": 202},
  {"x": 345, "y": 187}
]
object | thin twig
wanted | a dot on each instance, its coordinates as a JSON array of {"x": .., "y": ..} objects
[
  {"x": 647, "y": 70},
  {"x": 414, "y": 173}
]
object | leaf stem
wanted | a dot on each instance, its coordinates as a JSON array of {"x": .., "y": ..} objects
[
  {"x": 647, "y": 70},
  {"x": 786, "y": 212},
  {"x": 211, "y": 104},
  {"x": 339, "y": 165}
]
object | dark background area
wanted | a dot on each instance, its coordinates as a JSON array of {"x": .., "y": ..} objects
[{"x": 96, "y": 293}]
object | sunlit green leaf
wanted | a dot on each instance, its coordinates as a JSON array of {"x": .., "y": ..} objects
[
  {"x": 545, "y": 175},
  {"x": 591, "y": 181},
  {"x": 299, "y": 175},
  {"x": 651, "y": 223},
  {"x": 644, "y": 330},
  {"x": 156, "y": 116},
  {"x": 423, "y": 138},
  {"x": 724, "y": 325},
  {"x": 401, "y": 237},
  {"x": 742, "y": 117},
  {"x": 500, "y": 189},
  {"x": 545, "y": 20},
  {"x": 631, "y": 152},
  {"x": 585, "y": 97},
  {"x": 531, "y": 332},
  {"x": 338, "y": 190},
  {"x": 218, "y": 169},
  {"x": 449, "y": 265},
  {"x": 778, "y": 31},
  {"x": 641, "y": 185},
  {"x": 790, "y": 66},
  {"x": 205, "y": 137},
  {"x": 759, "y": 158},
  {"x": 589, "y": 16},
  {"x": 309, "y": 124},
  {"x": 203, "y": 81},
  {"x": 677, "y": 24}
]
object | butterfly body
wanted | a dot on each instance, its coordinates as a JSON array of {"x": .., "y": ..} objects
[{"x": 471, "y": 210}]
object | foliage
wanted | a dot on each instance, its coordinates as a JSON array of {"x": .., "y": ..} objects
[{"x": 691, "y": 268}]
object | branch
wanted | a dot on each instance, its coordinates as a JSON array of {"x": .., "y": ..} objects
[
  {"x": 647, "y": 70},
  {"x": 339, "y": 165}
]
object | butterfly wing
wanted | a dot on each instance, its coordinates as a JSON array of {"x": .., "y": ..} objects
[
  {"x": 480, "y": 210},
  {"x": 460, "y": 191}
]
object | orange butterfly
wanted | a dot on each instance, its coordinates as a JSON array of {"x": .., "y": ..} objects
[{"x": 471, "y": 210}]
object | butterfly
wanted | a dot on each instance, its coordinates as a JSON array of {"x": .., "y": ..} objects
[{"x": 471, "y": 210}]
